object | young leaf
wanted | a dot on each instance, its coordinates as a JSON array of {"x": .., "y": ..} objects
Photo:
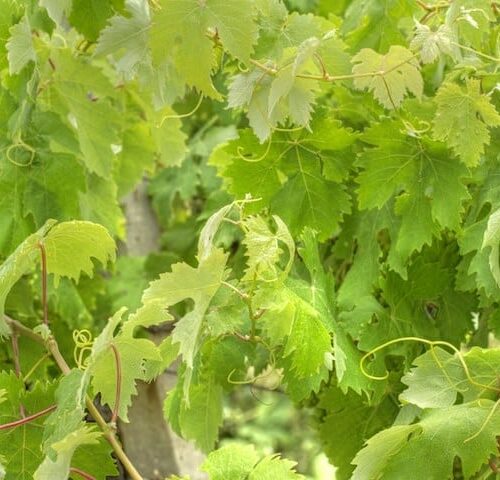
[
  {"x": 70, "y": 247},
  {"x": 431, "y": 44},
  {"x": 20, "y": 46},
  {"x": 462, "y": 120},
  {"x": 389, "y": 77},
  {"x": 185, "y": 282},
  {"x": 126, "y": 38}
]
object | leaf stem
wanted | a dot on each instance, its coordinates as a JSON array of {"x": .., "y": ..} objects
[
  {"x": 118, "y": 364},
  {"x": 82, "y": 474},
  {"x": 478, "y": 53},
  {"x": 43, "y": 255},
  {"x": 30, "y": 418}
]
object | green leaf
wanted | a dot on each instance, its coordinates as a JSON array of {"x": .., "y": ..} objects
[
  {"x": 346, "y": 423},
  {"x": 434, "y": 381},
  {"x": 126, "y": 38},
  {"x": 292, "y": 174},
  {"x": 377, "y": 24},
  {"x": 201, "y": 419},
  {"x": 439, "y": 377},
  {"x": 408, "y": 451},
  {"x": 431, "y": 182},
  {"x": 240, "y": 462},
  {"x": 132, "y": 354},
  {"x": 492, "y": 239},
  {"x": 263, "y": 248},
  {"x": 59, "y": 468},
  {"x": 431, "y": 44},
  {"x": 18, "y": 264},
  {"x": 20, "y": 447},
  {"x": 187, "y": 44},
  {"x": 70, "y": 247},
  {"x": 233, "y": 461},
  {"x": 462, "y": 120},
  {"x": 20, "y": 46},
  {"x": 399, "y": 75},
  {"x": 89, "y": 16},
  {"x": 78, "y": 92},
  {"x": 185, "y": 282}
]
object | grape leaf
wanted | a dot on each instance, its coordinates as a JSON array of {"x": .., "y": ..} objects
[
  {"x": 462, "y": 120},
  {"x": 438, "y": 377},
  {"x": 20, "y": 46},
  {"x": 199, "y": 284},
  {"x": 347, "y": 422},
  {"x": 376, "y": 23},
  {"x": 263, "y": 248},
  {"x": 126, "y": 38},
  {"x": 201, "y": 419},
  {"x": 59, "y": 468},
  {"x": 431, "y": 182},
  {"x": 394, "y": 75},
  {"x": 492, "y": 239},
  {"x": 232, "y": 461},
  {"x": 79, "y": 90},
  {"x": 464, "y": 430},
  {"x": 431, "y": 44},
  {"x": 239, "y": 462},
  {"x": 187, "y": 44},
  {"x": 18, "y": 264},
  {"x": 308, "y": 197},
  {"x": 132, "y": 354},
  {"x": 89, "y": 16},
  {"x": 19, "y": 456},
  {"x": 70, "y": 247}
]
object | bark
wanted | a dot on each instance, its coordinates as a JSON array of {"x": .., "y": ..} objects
[{"x": 153, "y": 447}]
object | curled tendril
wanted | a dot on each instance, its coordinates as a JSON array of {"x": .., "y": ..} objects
[
  {"x": 431, "y": 344},
  {"x": 416, "y": 132},
  {"x": 243, "y": 68},
  {"x": 183, "y": 115},
  {"x": 254, "y": 379},
  {"x": 239, "y": 151},
  {"x": 83, "y": 346},
  {"x": 22, "y": 146}
]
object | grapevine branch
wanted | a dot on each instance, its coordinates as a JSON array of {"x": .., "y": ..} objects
[{"x": 53, "y": 347}]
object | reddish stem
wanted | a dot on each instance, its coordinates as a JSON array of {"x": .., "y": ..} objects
[
  {"x": 118, "y": 383},
  {"x": 22, "y": 421},
  {"x": 493, "y": 466},
  {"x": 17, "y": 365},
  {"x": 82, "y": 474},
  {"x": 44, "y": 283}
]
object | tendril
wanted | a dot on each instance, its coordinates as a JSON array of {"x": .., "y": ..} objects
[
  {"x": 239, "y": 151},
  {"x": 431, "y": 344},
  {"x": 415, "y": 132},
  {"x": 486, "y": 420},
  {"x": 182, "y": 115},
  {"x": 20, "y": 144},
  {"x": 83, "y": 346},
  {"x": 243, "y": 68}
]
